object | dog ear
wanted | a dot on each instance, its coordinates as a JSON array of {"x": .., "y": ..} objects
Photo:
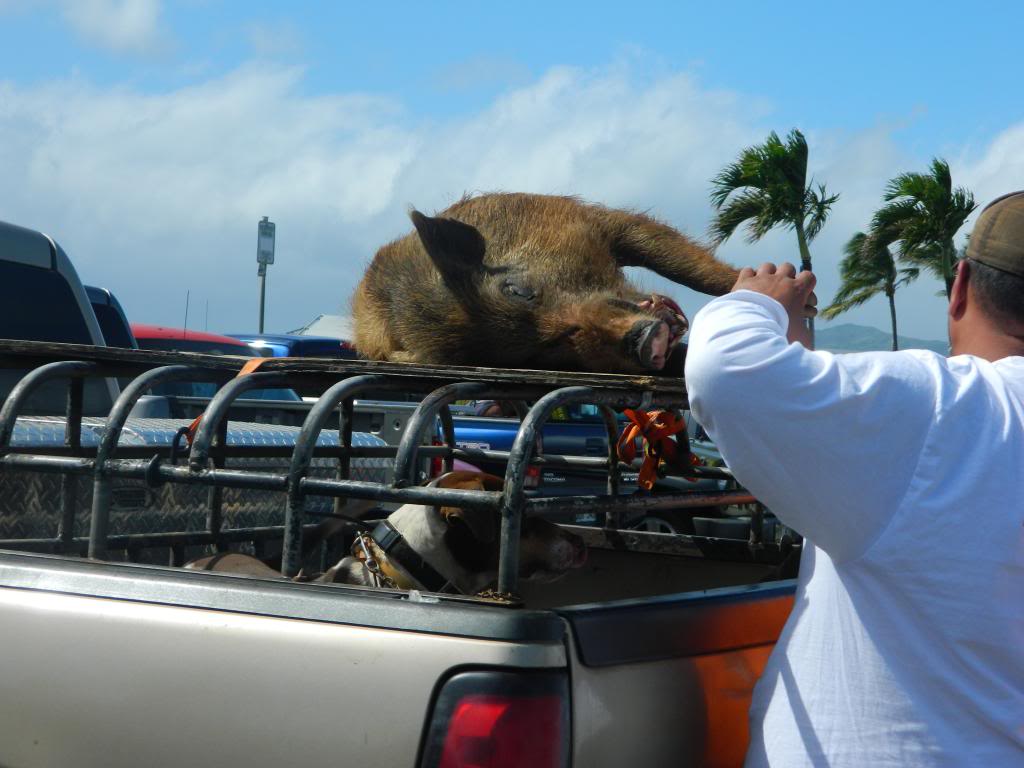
[
  {"x": 469, "y": 481},
  {"x": 482, "y": 524}
]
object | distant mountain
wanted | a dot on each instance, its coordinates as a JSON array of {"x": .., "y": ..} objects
[{"x": 864, "y": 338}]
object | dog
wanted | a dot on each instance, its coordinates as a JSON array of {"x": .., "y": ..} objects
[{"x": 434, "y": 549}]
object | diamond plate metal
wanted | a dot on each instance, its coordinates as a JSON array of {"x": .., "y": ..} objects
[{"x": 30, "y": 502}]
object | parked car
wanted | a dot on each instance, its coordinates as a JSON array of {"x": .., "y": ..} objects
[
  {"x": 185, "y": 340},
  {"x": 293, "y": 345}
]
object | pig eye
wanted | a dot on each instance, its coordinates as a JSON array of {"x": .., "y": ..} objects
[{"x": 517, "y": 291}]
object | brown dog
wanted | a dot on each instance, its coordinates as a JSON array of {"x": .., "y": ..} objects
[
  {"x": 434, "y": 548},
  {"x": 530, "y": 281}
]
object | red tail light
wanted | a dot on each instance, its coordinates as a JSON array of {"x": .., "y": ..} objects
[
  {"x": 532, "y": 477},
  {"x": 436, "y": 463},
  {"x": 500, "y": 720}
]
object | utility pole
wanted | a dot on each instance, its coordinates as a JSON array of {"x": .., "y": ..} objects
[{"x": 264, "y": 256}]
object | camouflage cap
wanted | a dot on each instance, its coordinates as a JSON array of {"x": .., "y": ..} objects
[{"x": 998, "y": 236}]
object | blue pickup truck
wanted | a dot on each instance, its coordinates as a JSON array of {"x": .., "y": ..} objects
[{"x": 577, "y": 430}]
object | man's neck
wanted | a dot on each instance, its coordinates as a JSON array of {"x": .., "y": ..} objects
[{"x": 991, "y": 346}]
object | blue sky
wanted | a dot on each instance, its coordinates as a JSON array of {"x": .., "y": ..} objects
[{"x": 148, "y": 137}]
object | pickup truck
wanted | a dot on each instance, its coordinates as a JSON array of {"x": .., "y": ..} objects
[{"x": 646, "y": 655}]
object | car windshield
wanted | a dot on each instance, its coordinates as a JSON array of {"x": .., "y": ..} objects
[{"x": 203, "y": 388}]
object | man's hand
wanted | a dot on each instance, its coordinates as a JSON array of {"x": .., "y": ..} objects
[{"x": 793, "y": 291}]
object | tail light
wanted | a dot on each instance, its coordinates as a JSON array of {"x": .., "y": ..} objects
[
  {"x": 533, "y": 473},
  {"x": 436, "y": 462},
  {"x": 500, "y": 720}
]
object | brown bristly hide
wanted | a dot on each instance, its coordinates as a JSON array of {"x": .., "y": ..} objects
[{"x": 524, "y": 281}]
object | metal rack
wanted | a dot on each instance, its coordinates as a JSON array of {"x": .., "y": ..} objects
[{"x": 338, "y": 383}]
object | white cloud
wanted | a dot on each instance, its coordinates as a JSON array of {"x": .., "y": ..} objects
[
  {"x": 124, "y": 26},
  {"x": 154, "y": 194},
  {"x": 274, "y": 39}
]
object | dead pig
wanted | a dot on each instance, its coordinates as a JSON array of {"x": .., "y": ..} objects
[{"x": 530, "y": 281}]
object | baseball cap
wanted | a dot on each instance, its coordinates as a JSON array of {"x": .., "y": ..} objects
[{"x": 998, "y": 237}]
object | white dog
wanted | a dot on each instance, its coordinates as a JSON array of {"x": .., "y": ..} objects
[{"x": 432, "y": 548}]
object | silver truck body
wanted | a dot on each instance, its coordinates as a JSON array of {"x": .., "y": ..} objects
[{"x": 117, "y": 665}]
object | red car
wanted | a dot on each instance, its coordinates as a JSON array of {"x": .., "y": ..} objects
[{"x": 185, "y": 340}]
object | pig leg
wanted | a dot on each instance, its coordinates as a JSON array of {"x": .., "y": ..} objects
[{"x": 640, "y": 241}]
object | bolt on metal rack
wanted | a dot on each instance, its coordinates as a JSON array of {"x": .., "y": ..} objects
[{"x": 337, "y": 383}]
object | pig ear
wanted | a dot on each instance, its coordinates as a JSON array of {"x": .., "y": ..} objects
[{"x": 454, "y": 247}]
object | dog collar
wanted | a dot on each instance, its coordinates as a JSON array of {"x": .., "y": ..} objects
[{"x": 393, "y": 545}]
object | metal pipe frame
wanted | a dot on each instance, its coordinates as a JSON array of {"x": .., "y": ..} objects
[
  {"x": 220, "y": 404},
  {"x": 514, "y": 500},
  {"x": 435, "y": 405},
  {"x": 422, "y": 418},
  {"x": 513, "y": 495},
  {"x": 73, "y": 442},
  {"x": 71, "y": 369},
  {"x": 612, "y": 518},
  {"x": 210, "y": 443},
  {"x": 102, "y": 480},
  {"x": 341, "y": 393}
]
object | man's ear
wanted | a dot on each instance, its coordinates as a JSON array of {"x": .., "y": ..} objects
[
  {"x": 456, "y": 249},
  {"x": 958, "y": 297}
]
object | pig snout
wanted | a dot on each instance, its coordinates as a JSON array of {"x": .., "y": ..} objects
[{"x": 650, "y": 343}]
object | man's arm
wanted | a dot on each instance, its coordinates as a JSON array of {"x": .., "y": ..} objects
[{"x": 829, "y": 443}]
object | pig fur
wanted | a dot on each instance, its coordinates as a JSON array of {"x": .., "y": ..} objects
[{"x": 530, "y": 281}]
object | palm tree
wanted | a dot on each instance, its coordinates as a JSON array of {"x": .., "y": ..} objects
[
  {"x": 924, "y": 212},
  {"x": 767, "y": 187},
  {"x": 867, "y": 269}
]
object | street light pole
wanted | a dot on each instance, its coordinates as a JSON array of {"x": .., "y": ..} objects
[
  {"x": 262, "y": 274},
  {"x": 265, "y": 236}
]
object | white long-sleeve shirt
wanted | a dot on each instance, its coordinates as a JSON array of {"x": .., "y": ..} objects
[{"x": 905, "y": 473}]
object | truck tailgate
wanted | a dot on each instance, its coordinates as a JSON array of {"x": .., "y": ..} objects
[
  {"x": 151, "y": 666},
  {"x": 677, "y": 672}
]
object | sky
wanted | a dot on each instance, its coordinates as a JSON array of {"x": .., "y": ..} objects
[{"x": 149, "y": 138}]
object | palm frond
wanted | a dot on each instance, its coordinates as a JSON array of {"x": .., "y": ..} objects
[
  {"x": 848, "y": 301},
  {"x": 742, "y": 207},
  {"x": 906, "y": 276},
  {"x": 818, "y": 206}
]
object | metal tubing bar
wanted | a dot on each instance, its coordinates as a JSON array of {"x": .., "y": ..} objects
[
  {"x": 448, "y": 432},
  {"x": 232, "y": 451},
  {"x": 426, "y": 413},
  {"x": 51, "y": 464},
  {"x": 416, "y": 494},
  {"x": 421, "y": 420},
  {"x": 612, "y": 518},
  {"x": 302, "y": 456},
  {"x": 684, "y": 500},
  {"x": 513, "y": 495},
  {"x": 346, "y": 417},
  {"x": 215, "y": 494},
  {"x": 217, "y": 410},
  {"x": 102, "y": 483},
  {"x": 73, "y": 442},
  {"x": 176, "y": 473},
  {"x": 29, "y": 383}
]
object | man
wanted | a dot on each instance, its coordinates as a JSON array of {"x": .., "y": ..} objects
[{"x": 905, "y": 473}]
